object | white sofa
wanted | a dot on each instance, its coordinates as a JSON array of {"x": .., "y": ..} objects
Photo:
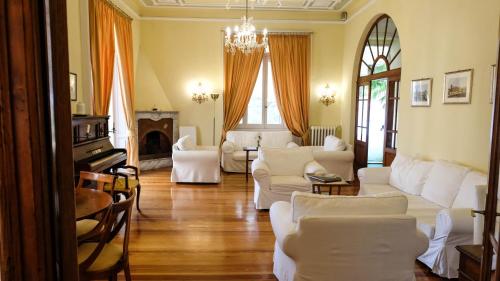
[
  {"x": 338, "y": 162},
  {"x": 440, "y": 195},
  {"x": 195, "y": 164},
  {"x": 233, "y": 156},
  {"x": 345, "y": 238},
  {"x": 279, "y": 172}
]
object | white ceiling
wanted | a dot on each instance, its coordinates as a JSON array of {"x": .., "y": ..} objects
[{"x": 297, "y": 5}]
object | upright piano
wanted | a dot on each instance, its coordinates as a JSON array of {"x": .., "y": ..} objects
[{"x": 92, "y": 149}]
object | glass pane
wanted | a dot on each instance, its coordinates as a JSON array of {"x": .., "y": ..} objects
[
  {"x": 394, "y": 53},
  {"x": 365, "y": 115},
  {"x": 381, "y": 36},
  {"x": 358, "y": 134},
  {"x": 381, "y": 66},
  {"x": 360, "y": 113},
  {"x": 254, "y": 112},
  {"x": 363, "y": 134},
  {"x": 273, "y": 113},
  {"x": 391, "y": 30},
  {"x": 365, "y": 92}
]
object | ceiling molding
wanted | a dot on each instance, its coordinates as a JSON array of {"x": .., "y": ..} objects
[
  {"x": 234, "y": 20},
  {"x": 135, "y": 15},
  {"x": 261, "y": 5}
]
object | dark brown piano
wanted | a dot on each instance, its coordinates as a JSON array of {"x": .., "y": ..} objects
[{"x": 92, "y": 149}]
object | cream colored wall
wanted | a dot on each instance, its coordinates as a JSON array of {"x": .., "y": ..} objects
[
  {"x": 75, "y": 48},
  {"x": 436, "y": 37},
  {"x": 175, "y": 54}
]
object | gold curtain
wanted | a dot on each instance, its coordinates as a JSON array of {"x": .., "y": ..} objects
[
  {"x": 123, "y": 27},
  {"x": 240, "y": 74},
  {"x": 102, "y": 52},
  {"x": 290, "y": 62}
]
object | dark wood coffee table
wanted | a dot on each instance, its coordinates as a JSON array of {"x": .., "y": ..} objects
[
  {"x": 247, "y": 149},
  {"x": 317, "y": 186}
]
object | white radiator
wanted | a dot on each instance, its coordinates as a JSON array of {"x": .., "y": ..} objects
[{"x": 319, "y": 133}]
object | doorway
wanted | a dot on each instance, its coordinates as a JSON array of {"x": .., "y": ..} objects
[{"x": 377, "y": 96}]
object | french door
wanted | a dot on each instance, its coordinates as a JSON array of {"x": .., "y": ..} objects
[{"x": 377, "y": 101}]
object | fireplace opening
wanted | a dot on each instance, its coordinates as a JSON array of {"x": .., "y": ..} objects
[{"x": 154, "y": 145}]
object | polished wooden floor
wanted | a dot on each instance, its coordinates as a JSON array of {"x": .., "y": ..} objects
[{"x": 204, "y": 232}]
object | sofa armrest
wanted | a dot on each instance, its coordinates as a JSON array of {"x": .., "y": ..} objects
[
  {"x": 260, "y": 170},
  {"x": 281, "y": 222},
  {"x": 228, "y": 147},
  {"x": 379, "y": 175},
  {"x": 422, "y": 243},
  {"x": 314, "y": 167},
  {"x": 454, "y": 221},
  {"x": 291, "y": 145},
  {"x": 207, "y": 148}
]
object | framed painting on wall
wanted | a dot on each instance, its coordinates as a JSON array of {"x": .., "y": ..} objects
[
  {"x": 457, "y": 86},
  {"x": 72, "y": 86},
  {"x": 421, "y": 91}
]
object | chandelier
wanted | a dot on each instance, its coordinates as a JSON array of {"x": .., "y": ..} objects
[
  {"x": 244, "y": 38},
  {"x": 327, "y": 97}
]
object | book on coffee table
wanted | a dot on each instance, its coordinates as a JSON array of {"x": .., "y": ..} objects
[{"x": 324, "y": 178}]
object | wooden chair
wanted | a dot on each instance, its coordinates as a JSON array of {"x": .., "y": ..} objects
[
  {"x": 127, "y": 180},
  {"x": 101, "y": 257},
  {"x": 85, "y": 226},
  {"x": 100, "y": 179}
]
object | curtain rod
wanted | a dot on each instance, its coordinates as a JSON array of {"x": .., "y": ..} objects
[{"x": 118, "y": 9}]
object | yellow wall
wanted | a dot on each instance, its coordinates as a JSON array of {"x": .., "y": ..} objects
[
  {"x": 75, "y": 48},
  {"x": 175, "y": 54},
  {"x": 434, "y": 42}
]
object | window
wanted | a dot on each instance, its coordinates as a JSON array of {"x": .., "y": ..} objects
[{"x": 263, "y": 112}]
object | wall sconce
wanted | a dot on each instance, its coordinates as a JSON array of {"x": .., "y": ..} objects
[
  {"x": 199, "y": 96},
  {"x": 327, "y": 97}
]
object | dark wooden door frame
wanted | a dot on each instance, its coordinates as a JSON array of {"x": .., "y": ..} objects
[
  {"x": 490, "y": 242},
  {"x": 37, "y": 226}
]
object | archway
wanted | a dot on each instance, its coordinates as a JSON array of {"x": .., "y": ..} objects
[{"x": 377, "y": 95}]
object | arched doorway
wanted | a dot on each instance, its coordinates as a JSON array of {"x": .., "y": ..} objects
[{"x": 377, "y": 95}]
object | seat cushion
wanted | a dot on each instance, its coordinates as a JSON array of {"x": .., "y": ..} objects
[
  {"x": 444, "y": 182},
  {"x": 467, "y": 190},
  {"x": 286, "y": 161},
  {"x": 242, "y": 155},
  {"x": 85, "y": 226},
  {"x": 110, "y": 255},
  {"x": 241, "y": 139},
  {"x": 288, "y": 184},
  {"x": 307, "y": 204},
  {"x": 275, "y": 139},
  {"x": 121, "y": 186},
  {"x": 373, "y": 188}
]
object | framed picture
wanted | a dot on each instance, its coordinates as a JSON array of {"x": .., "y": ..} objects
[
  {"x": 72, "y": 86},
  {"x": 421, "y": 91},
  {"x": 457, "y": 86},
  {"x": 493, "y": 87}
]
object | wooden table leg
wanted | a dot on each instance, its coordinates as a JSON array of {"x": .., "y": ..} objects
[{"x": 246, "y": 167}]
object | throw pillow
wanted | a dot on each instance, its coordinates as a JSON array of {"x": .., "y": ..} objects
[
  {"x": 333, "y": 143},
  {"x": 185, "y": 143}
]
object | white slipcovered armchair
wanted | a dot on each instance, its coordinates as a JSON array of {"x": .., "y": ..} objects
[
  {"x": 345, "y": 238},
  {"x": 278, "y": 173},
  {"x": 233, "y": 156},
  {"x": 195, "y": 164}
]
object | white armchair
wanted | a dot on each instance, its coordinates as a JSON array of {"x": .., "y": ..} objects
[
  {"x": 195, "y": 164},
  {"x": 233, "y": 156},
  {"x": 278, "y": 173},
  {"x": 331, "y": 239}
]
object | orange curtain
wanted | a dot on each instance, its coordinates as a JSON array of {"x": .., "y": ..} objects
[
  {"x": 290, "y": 61},
  {"x": 240, "y": 74},
  {"x": 123, "y": 27},
  {"x": 102, "y": 52}
]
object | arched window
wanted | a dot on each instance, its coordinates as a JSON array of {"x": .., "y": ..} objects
[
  {"x": 382, "y": 51},
  {"x": 378, "y": 95}
]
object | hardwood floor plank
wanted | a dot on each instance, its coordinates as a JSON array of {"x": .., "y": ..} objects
[{"x": 205, "y": 232}]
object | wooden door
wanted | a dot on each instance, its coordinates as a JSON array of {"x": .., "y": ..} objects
[
  {"x": 37, "y": 220},
  {"x": 362, "y": 126},
  {"x": 490, "y": 242},
  {"x": 391, "y": 120}
]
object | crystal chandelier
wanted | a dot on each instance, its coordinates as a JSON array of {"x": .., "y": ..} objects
[
  {"x": 199, "y": 96},
  {"x": 244, "y": 38},
  {"x": 328, "y": 97}
]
